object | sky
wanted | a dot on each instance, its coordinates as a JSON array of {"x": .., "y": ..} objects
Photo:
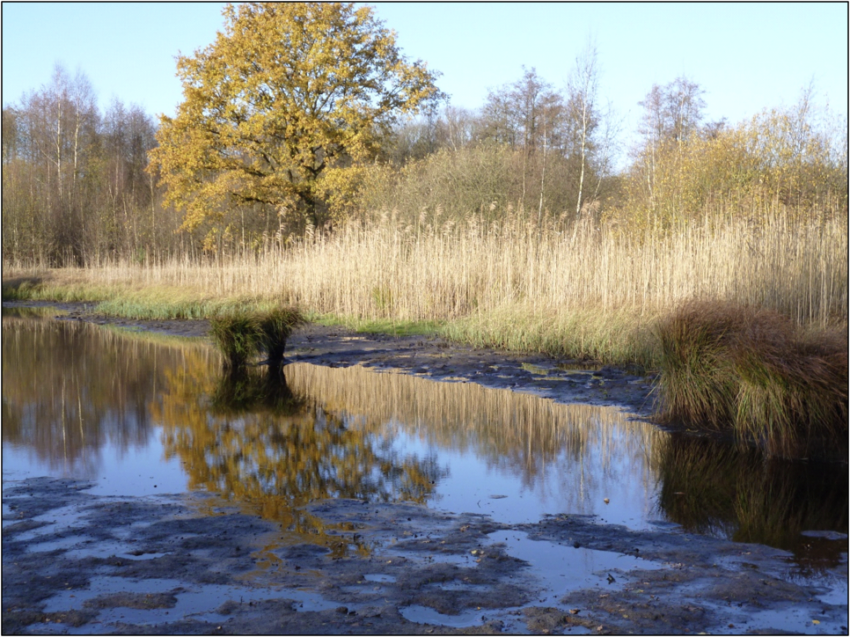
[{"x": 746, "y": 56}]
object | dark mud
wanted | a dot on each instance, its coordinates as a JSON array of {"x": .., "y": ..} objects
[
  {"x": 226, "y": 573},
  {"x": 74, "y": 562},
  {"x": 587, "y": 382}
]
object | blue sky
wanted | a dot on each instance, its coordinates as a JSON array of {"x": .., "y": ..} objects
[{"x": 747, "y": 56}]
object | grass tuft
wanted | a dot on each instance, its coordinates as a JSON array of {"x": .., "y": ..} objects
[
  {"x": 275, "y": 327},
  {"x": 20, "y": 288},
  {"x": 240, "y": 334},
  {"x": 751, "y": 371}
]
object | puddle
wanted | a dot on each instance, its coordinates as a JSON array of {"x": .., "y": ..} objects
[
  {"x": 563, "y": 569},
  {"x": 425, "y": 615},
  {"x": 793, "y": 622},
  {"x": 192, "y": 600},
  {"x": 53, "y": 545},
  {"x": 436, "y": 557},
  {"x": 57, "y": 520}
]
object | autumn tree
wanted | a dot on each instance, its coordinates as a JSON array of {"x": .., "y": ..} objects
[
  {"x": 289, "y": 96},
  {"x": 671, "y": 119},
  {"x": 791, "y": 159}
]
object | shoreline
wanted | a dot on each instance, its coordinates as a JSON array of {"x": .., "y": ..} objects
[{"x": 430, "y": 357}]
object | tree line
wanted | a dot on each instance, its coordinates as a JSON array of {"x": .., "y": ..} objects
[
  {"x": 300, "y": 117},
  {"x": 75, "y": 185}
]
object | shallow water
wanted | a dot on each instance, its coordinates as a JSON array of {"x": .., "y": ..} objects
[{"x": 145, "y": 415}]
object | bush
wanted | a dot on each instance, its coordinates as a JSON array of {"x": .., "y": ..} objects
[
  {"x": 275, "y": 327},
  {"x": 238, "y": 335}
]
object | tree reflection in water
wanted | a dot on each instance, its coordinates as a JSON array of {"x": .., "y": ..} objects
[
  {"x": 71, "y": 388},
  {"x": 260, "y": 444},
  {"x": 243, "y": 390}
]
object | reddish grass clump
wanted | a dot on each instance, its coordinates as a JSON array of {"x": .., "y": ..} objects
[{"x": 726, "y": 366}]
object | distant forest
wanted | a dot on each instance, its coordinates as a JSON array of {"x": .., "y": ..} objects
[{"x": 84, "y": 187}]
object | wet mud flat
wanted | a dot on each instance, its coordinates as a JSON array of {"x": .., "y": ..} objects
[{"x": 74, "y": 562}]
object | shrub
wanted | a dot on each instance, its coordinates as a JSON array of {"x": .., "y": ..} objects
[{"x": 238, "y": 335}]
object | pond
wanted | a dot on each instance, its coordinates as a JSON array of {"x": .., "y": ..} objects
[{"x": 141, "y": 415}]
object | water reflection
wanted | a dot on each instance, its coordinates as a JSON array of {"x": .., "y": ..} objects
[
  {"x": 571, "y": 455},
  {"x": 739, "y": 494},
  {"x": 242, "y": 390},
  {"x": 273, "y": 440},
  {"x": 262, "y": 444},
  {"x": 70, "y": 388}
]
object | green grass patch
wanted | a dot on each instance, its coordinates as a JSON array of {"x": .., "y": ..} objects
[
  {"x": 21, "y": 288},
  {"x": 614, "y": 337},
  {"x": 44, "y": 289},
  {"x": 393, "y": 327}
]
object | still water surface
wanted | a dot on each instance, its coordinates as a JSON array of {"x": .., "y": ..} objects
[{"x": 140, "y": 415}]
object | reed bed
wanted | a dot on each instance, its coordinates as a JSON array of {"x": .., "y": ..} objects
[
  {"x": 584, "y": 289},
  {"x": 391, "y": 269}
]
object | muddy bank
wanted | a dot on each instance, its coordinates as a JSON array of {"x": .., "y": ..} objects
[{"x": 76, "y": 562}]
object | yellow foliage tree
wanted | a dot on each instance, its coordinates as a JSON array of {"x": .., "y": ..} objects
[
  {"x": 288, "y": 93},
  {"x": 783, "y": 158}
]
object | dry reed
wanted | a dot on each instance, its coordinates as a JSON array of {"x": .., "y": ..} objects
[{"x": 540, "y": 280}]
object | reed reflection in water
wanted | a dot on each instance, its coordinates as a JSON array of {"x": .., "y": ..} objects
[
  {"x": 739, "y": 494},
  {"x": 566, "y": 458},
  {"x": 78, "y": 397},
  {"x": 71, "y": 389}
]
